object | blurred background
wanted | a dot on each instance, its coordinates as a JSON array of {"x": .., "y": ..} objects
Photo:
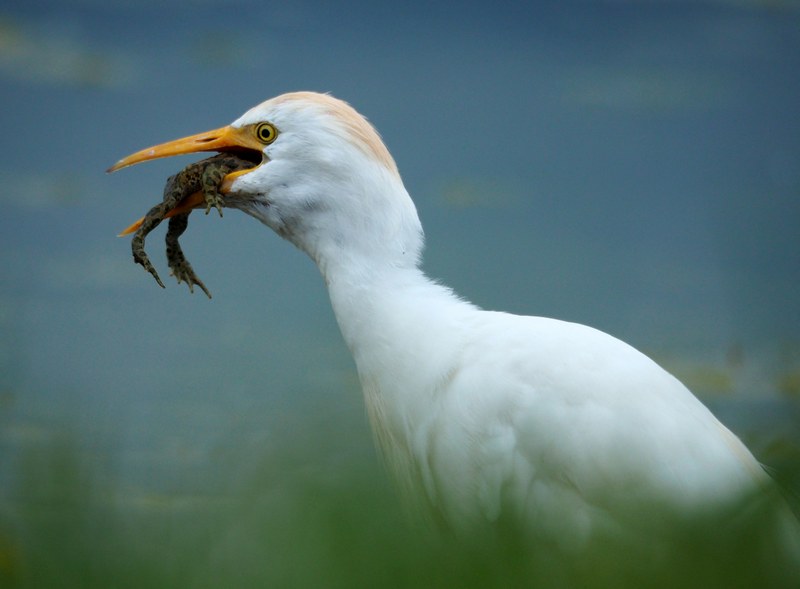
[{"x": 634, "y": 166}]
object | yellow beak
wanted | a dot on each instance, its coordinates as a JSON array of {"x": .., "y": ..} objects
[{"x": 224, "y": 139}]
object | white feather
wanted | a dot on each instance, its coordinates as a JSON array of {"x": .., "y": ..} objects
[{"x": 485, "y": 416}]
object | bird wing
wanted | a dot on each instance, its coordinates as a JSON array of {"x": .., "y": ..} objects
[{"x": 561, "y": 423}]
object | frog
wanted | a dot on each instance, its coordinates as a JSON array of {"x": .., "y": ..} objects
[{"x": 204, "y": 176}]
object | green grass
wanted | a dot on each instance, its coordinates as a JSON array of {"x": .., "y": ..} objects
[{"x": 311, "y": 511}]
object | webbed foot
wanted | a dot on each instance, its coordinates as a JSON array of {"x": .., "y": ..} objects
[{"x": 182, "y": 271}]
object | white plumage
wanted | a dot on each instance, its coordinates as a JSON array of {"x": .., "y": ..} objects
[{"x": 563, "y": 430}]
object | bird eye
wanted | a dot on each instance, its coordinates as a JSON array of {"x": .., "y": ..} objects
[{"x": 266, "y": 133}]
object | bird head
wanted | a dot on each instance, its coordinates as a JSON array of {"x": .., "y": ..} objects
[{"x": 324, "y": 178}]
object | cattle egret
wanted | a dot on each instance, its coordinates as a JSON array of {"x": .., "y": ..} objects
[{"x": 564, "y": 433}]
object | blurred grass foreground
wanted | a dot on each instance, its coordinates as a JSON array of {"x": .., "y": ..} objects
[{"x": 311, "y": 510}]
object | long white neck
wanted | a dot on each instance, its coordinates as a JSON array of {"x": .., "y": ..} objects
[
  {"x": 405, "y": 334},
  {"x": 398, "y": 324},
  {"x": 368, "y": 250},
  {"x": 404, "y": 331}
]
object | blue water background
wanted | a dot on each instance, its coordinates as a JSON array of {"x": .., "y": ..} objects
[{"x": 630, "y": 165}]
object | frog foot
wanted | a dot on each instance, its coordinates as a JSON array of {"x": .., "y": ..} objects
[
  {"x": 214, "y": 199},
  {"x": 140, "y": 257},
  {"x": 183, "y": 272}
]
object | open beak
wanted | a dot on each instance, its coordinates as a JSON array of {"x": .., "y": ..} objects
[{"x": 230, "y": 139}]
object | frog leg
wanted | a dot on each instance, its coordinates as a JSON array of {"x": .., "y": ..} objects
[
  {"x": 174, "y": 191},
  {"x": 150, "y": 221},
  {"x": 179, "y": 265}
]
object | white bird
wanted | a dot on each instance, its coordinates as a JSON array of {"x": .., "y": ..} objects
[{"x": 568, "y": 435}]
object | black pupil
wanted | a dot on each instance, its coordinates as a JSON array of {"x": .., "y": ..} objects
[{"x": 266, "y": 133}]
